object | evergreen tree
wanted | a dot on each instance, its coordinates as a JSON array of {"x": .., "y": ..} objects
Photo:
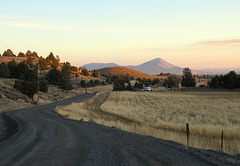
[
  {"x": 129, "y": 86},
  {"x": 22, "y": 69},
  {"x": 90, "y": 83},
  {"x": 43, "y": 85},
  {"x": 187, "y": 79},
  {"x": 13, "y": 69},
  {"x": 28, "y": 53},
  {"x": 29, "y": 84},
  {"x": 8, "y": 53},
  {"x": 230, "y": 80},
  {"x": 66, "y": 77},
  {"x": 172, "y": 82},
  {"x": 97, "y": 82},
  {"x": 118, "y": 85},
  {"x": 155, "y": 81},
  {"x": 215, "y": 82},
  {"x": 165, "y": 83},
  {"x": 4, "y": 71},
  {"x": 103, "y": 83},
  {"x": 127, "y": 78},
  {"x": 20, "y": 54},
  {"x": 95, "y": 73},
  {"x": 74, "y": 69},
  {"x": 85, "y": 72},
  {"x": 52, "y": 60},
  {"x": 83, "y": 84},
  {"x": 43, "y": 63},
  {"x": 136, "y": 85},
  {"x": 30, "y": 62},
  {"x": 54, "y": 77},
  {"x": 35, "y": 55},
  {"x": 109, "y": 81}
]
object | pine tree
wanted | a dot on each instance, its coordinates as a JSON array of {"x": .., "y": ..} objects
[
  {"x": 118, "y": 85},
  {"x": 129, "y": 86},
  {"x": 187, "y": 79},
  {"x": 95, "y": 73},
  {"x": 66, "y": 77},
  {"x": 29, "y": 84},
  {"x": 13, "y": 68},
  {"x": 230, "y": 80},
  {"x": 83, "y": 84},
  {"x": 215, "y": 82},
  {"x": 4, "y": 71},
  {"x": 54, "y": 76},
  {"x": 43, "y": 85},
  {"x": 85, "y": 72},
  {"x": 136, "y": 86},
  {"x": 30, "y": 62}
]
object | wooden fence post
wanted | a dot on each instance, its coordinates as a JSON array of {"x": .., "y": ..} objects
[
  {"x": 222, "y": 141},
  {"x": 188, "y": 133}
]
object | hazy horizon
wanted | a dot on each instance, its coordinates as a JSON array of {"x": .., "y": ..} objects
[{"x": 196, "y": 34}]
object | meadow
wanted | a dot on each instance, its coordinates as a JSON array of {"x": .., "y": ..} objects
[{"x": 165, "y": 114}]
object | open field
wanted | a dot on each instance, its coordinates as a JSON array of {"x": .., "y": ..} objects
[{"x": 165, "y": 115}]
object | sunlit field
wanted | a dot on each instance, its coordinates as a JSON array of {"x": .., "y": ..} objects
[{"x": 164, "y": 115}]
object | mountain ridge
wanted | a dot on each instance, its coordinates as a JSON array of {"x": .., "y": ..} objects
[
  {"x": 157, "y": 66},
  {"x": 154, "y": 66}
]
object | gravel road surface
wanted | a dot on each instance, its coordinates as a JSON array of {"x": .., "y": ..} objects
[{"x": 38, "y": 136}]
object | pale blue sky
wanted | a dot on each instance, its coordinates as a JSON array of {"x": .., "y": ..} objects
[{"x": 126, "y": 32}]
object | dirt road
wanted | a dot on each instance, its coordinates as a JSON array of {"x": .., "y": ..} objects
[{"x": 38, "y": 136}]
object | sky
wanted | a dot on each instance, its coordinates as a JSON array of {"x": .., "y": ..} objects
[{"x": 187, "y": 33}]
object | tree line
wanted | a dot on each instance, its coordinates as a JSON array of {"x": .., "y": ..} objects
[
  {"x": 228, "y": 81},
  {"x": 28, "y": 81},
  {"x": 33, "y": 60},
  {"x": 122, "y": 83}
]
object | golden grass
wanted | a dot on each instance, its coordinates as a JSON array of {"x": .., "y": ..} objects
[
  {"x": 131, "y": 72},
  {"x": 165, "y": 115}
]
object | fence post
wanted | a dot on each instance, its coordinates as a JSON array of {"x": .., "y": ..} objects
[
  {"x": 188, "y": 133},
  {"x": 222, "y": 141}
]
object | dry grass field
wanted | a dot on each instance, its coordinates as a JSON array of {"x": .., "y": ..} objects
[{"x": 164, "y": 115}]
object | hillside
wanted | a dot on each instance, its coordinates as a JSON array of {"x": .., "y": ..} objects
[{"x": 125, "y": 71}]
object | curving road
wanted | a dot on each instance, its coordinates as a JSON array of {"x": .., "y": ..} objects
[{"x": 38, "y": 136}]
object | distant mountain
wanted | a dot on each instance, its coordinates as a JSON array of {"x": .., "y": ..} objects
[
  {"x": 127, "y": 71},
  {"x": 154, "y": 66},
  {"x": 157, "y": 66},
  {"x": 96, "y": 66}
]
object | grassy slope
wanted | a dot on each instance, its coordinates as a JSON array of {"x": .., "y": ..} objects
[{"x": 131, "y": 72}]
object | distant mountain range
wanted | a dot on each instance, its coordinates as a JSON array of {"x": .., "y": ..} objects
[
  {"x": 157, "y": 66},
  {"x": 154, "y": 66}
]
